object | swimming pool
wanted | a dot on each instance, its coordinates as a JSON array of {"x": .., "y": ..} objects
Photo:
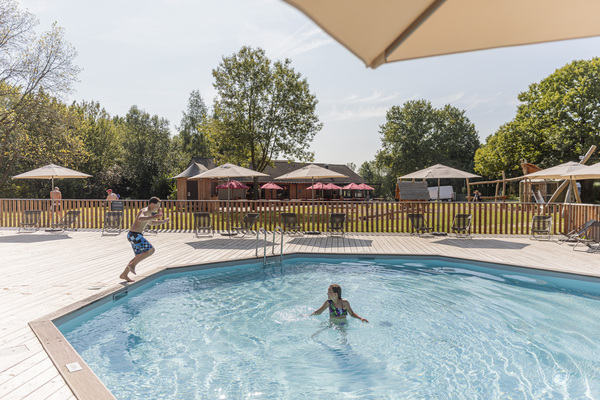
[{"x": 438, "y": 328}]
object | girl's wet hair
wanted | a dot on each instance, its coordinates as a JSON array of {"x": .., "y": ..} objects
[
  {"x": 337, "y": 289},
  {"x": 154, "y": 200}
]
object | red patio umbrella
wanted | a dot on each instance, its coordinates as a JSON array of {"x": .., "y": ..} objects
[
  {"x": 271, "y": 185},
  {"x": 352, "y": 186},
  {"x": 233, "y": 184},
  {"x": 364, "y": 186},
  {"x": 331, "y": 186}
]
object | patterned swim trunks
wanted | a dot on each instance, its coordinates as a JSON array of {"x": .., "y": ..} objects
[{"x": 138, "y": 242}]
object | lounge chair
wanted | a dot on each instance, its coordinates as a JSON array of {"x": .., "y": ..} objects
[
  {"x": 541, "y": 226},
  {"x": 575, "y": 233},
  {"x": 461, "y": 225},
  {"x": 247, "y": 224},
  {"x": 30, "y": 221},
  {"x": 337, "y": 222},
  {"x": 112, "y": 222},
  {"x": 203, "y": 224},
  {"x": 418, "y": 223},
  {"x": 290, "y": 223},
  {"x": 66, "y": 222},
  {"x": 590, "y": 238}
]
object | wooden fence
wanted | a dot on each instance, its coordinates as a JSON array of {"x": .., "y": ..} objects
[{"x": 383, "y": 217}]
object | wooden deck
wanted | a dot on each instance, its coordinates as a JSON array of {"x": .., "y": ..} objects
[{"x": 41, "y": 273}]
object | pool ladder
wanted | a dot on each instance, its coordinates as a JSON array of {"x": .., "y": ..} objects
[{"x": 265, "y": 233}]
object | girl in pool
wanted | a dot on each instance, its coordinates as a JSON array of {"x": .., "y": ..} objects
[{"x": 338, "y": 307}]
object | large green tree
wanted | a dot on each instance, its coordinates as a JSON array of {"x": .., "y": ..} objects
[
  {"x": 192, "y": 139},
  {"x": 417, "y": 135},
  {"x": 30, "y": 65},
  {"x": 557, "y": 121},
  {"x": 264, "y": 110},
  {"x": 49, "y": 133},
  {"x": 101, "y": 140},
  {"x": 146, "y": 157}
]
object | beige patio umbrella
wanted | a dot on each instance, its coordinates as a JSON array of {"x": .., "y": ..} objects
[
  {"x": 564, "y": 171},
  {"x": 228, "y": 171},
  {"x": 311, "y": 172},
  {"x": 52, "y": 171},
  {"x": 382, "y": 31},
  {"x": 439, "y": 171}
]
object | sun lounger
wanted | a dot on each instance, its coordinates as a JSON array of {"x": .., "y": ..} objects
[
  {"x": 247, "y": 224},
  {"x": 30, "y": 221},
  {"x": 418, "y": 223},
  {"x": 66, "y": 222},
  {"x": 575, "y": 233},
  {"x": 590, "y": 238},
  {"x": 113, "y": 221},
  {"x": 290, "y": 223},
  {"x": 541, "y": 226},
  {"x": 461, "y": 226},
  {"x": 203, "y": 224},
  {"x": 337, "y": 222}
]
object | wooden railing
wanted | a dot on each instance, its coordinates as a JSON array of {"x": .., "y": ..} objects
[{"x": 384, "y": 217}]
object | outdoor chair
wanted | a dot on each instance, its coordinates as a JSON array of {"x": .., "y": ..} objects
[
  {"x": 112, "y": 222},
  {"x": 461, "y": 226},
  {"x": 247, "y": 224},
  {"x": 290, "y": 223},
  {"x": 541, "y": 226},
  {"x": 419, "y": 225},
  {"x": 203, "y": 224},
  {"x": 30, "y": 221},
  {"x": 337, "y": 222},
  {"x": 590, "y": 238},
  {"x": 575, "y": 233},
  {"x": 66, "y": 222}
]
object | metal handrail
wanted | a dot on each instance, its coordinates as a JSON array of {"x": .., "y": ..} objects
[
  {"x": 264, "y": 232},
  {"x": 278, "y": 229}
]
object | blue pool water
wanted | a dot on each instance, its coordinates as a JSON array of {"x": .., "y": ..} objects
[{"x": 438, "y": 329}]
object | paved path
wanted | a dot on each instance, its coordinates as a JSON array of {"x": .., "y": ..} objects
[{"x": 43, "y": 272}]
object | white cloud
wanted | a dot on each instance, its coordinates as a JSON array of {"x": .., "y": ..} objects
[{"x": 354, "y": 114}]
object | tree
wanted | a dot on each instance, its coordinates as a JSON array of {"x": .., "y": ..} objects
[
  {"x": 263, "y": 111},
  {"x": 29, "y": 65},
  {"x": 192, "y": 139},
  {"x": 101, "y": 139},
  {"x": 381, "y": 179},
  {"x": 47, "y": 134},
  {"x": 557, "y": 121},
  {"x": 147, "y": 150},
  {"x": 416, "y": 136}
]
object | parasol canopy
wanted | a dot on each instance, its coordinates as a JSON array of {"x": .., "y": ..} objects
[
  {"x": 233, "y": 184},
  {"x": 382, "y": 31},
  {"x": 271, "y": 185}
]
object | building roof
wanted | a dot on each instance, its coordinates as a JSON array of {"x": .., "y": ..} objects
[{"x": 280, "y": 167}]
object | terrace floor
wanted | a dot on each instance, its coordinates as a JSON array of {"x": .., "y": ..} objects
[{"x": 41, "y": 273}]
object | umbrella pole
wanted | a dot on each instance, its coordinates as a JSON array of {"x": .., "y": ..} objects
[
  {"x": 438, "y": 206},
  {"x": 313, "y": 231}
]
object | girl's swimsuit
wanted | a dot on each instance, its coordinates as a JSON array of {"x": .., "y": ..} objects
[{"x": 336, "y": 312}]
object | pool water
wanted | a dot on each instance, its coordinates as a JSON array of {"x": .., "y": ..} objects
[{"x": 438, "y": 330}]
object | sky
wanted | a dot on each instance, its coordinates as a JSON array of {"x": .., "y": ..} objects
[{"x": 154, "y": 53}]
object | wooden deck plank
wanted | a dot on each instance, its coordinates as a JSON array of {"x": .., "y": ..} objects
[{"x": 41, "y": 273}]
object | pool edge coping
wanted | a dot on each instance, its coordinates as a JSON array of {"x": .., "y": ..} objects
[{"x": 85, "y": 384}]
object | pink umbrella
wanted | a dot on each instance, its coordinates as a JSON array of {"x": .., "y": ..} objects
[
  {"x": 364, "y": 186},
  {"x": 331, "y": 186},
  {"x": 271, "y": 185},
  {"x": 352, "y": 186},
  {"x": 233, "y": 184},
  {"x": 316, "y": 186}
]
